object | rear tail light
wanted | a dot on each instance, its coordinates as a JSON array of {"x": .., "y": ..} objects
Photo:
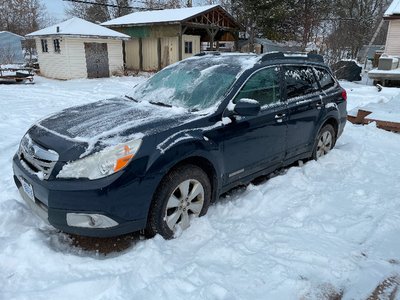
[{"x": 344, "y": 94}]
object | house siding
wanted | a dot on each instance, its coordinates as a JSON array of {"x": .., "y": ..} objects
[
  {"x": 150, "y": 58},
  {"x": 393, "y": 38},
  {"x": 153, "y": 31},
  {"x": 195, "y": 39},
  {"x": 132, "y": 53},
  {"x": 70, "y": 63},
  {"x": 53, "y": 65},
  {"x": 169, "y": 51}
]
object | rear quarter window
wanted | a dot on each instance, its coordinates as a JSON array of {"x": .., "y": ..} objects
[
  {"x": 300, "y": 81},
  {"x": 325, "y": 79}
]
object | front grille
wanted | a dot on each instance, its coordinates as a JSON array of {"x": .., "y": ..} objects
[{"x": 35, "y": 159}]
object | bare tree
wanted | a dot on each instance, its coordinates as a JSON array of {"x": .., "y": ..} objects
[
  {"x": 102, "y": 11},
  {"x": 7, "y": 55},
  {"x": 308, "y": 19},
  {"x": 356, "y": 22},
  {"x": 22, "y": 16},
  {"x": 122, "y": 9},
  {"x": 165, "y": 4},
  {"x": 29, "y": 46}
]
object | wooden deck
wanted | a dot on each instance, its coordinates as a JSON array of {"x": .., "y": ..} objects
[
  {"x": 365, "y": 116},
  {"x": 9, "y": 75}
]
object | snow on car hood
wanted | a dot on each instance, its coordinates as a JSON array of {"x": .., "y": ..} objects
[{"x": 112, "y": 121}]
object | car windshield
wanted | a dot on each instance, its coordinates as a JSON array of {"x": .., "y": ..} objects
[{"x": 196, "y": 83}]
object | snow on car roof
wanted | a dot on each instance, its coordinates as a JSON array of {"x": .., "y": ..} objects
[
  {"x": 79, "y": 27},
  {"x": 159, "y": 16}
]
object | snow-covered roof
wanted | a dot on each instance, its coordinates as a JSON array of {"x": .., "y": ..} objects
[
  {"x": 13, "y": 34},
  {"x": 77, "y": 27},
  {"x": 394, "y": 9},
  {"x": 160, "y": 16}
]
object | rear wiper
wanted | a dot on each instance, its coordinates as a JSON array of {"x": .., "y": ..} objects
[
  {"x": 130, "y": 98},
  {"x": 161, "y": 104}
]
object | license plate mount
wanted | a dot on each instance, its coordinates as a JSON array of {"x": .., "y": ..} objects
[{"x": 28, "y": 189}]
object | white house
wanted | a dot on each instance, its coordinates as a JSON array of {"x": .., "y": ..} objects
[
  {"x": 392, "y": 14},
  {"x": 10, "y": 48},
  {"x": 77, "y": 49}
]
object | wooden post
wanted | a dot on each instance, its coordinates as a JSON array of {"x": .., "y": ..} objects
[
  {"x": 124, "y": 53},
  {"x": 235, "y": 35},
  {"x": 159, "y": 53},
  {"x": 180, "y": 44},
  {"x": 212, "y": 33},
  {"x": 140, "y": 55}
]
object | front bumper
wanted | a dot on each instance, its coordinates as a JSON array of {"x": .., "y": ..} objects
[{"x": 123, "y": 202}]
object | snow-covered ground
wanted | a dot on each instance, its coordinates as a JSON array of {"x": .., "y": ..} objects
[{"x": 315, "y": 231}]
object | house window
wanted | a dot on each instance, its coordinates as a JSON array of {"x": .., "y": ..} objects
[
  {"x": 188, "y": 47},
  {"x": 44, "y": 45},
  {"x": 56, "y": 43}
]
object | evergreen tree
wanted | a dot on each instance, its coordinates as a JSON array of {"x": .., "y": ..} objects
[{"x": 259, "y": 17}]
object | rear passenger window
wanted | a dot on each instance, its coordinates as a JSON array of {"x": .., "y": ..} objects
[
  {"x": 263, "y": 87},
  {"x": 300, "y": 81},
  {"x": 325, "y": 79}
]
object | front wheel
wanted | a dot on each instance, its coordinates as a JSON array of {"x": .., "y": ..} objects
[
  {"x": 184, "y": 193},
  {"x": 325, "y": 141}
]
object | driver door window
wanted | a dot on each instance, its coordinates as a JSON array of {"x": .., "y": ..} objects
[{"x": 263, "y": 87}]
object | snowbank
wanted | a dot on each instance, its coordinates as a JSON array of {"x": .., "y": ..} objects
[{"x": 320, "y": 229}]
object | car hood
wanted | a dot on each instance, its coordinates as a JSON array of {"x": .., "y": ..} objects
[{"x": 97, "y": 125}]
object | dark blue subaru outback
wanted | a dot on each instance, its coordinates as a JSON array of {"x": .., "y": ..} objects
[{"x": 156, "y": 158}]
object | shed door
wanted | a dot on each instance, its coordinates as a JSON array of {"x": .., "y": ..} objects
[{"x": 97, "y": 60}]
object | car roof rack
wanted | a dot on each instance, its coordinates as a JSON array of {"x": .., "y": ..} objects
[
  {"x": 292, "y": 55},
  {"x": 208, "y": 53}
]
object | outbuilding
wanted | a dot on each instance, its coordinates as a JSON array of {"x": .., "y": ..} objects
[
  {"x": 392, "y": 15},
  {"x": 388, "y": 72},
  {"x": 163, "y": 37},
  {"x": 77, "y": 49},
  {"x": 10, "y": 48}
]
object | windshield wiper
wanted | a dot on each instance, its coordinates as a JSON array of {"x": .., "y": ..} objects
[
  {"x": 130, "y": 98},
  {"x": 161, "y": 104}
]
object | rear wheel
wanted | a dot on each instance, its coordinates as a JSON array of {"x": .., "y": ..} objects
[
  {"x": 183, "y": 193},
  {"x": 325, "y": 141}
]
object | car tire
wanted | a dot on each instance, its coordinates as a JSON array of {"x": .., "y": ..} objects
[
  {"x": 184, "y": 192},
  {"x": 324, "y": 142}
]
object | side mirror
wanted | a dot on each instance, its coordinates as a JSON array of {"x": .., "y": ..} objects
[{"x": 247, "y": 107}]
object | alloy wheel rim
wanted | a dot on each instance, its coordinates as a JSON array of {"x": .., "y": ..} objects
[
  {"x": 324, "y": 144},
  {"x": 187, "y": 199}
]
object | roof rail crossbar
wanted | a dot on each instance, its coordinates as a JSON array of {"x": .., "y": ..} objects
[
  {"x": 292, "y": 55},
  {"x": 208, "y": 53}
]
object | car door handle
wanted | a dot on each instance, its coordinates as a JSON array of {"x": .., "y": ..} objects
[
  {"x": 279, "y": 117},
  {"x": 319, "y": 104}
]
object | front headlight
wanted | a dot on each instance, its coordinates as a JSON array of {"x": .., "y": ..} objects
[{"x": 103, "y": 163}]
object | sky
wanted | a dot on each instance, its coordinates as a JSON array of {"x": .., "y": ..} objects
[{"x": 56, "y": 8}]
